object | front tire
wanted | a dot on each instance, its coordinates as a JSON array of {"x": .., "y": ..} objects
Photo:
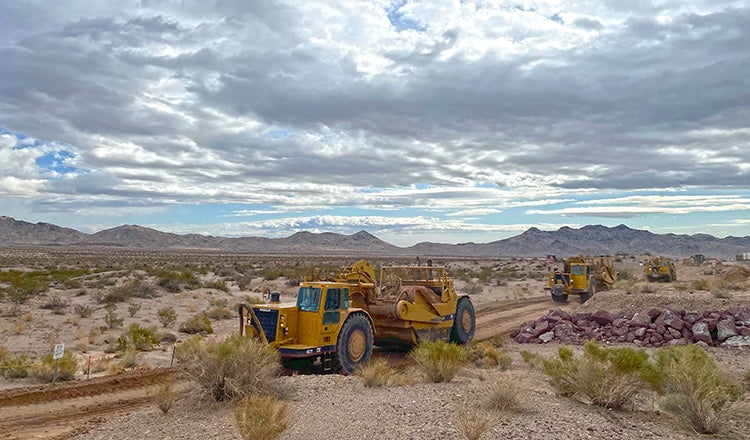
[
  {"x": 464, "y": 323},
  {"x": 354, "y": 345}
]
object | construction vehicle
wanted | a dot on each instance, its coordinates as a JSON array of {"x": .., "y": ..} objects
[
  {"x": 581, "y": 276},
  {"x": 660, "y": 269},
  {"x": 336, "y": 320}
]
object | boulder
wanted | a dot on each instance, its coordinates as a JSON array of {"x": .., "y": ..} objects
[
  {"x": 701, "y": 333},
  {"x": 654, "y": 312},
  {"x": 725, "y": 329},
  {"x": 602, "y": 317},
  {"x": 640, "y": 320},
  {"x": 737, "y": 341},
  {"x": 547, "y": 337}
]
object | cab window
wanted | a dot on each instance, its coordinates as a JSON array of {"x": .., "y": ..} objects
[
  {"x": 577, "y": 270},
  {"x": 308, "y": 299},
  {"x": 336, "y": 299}
]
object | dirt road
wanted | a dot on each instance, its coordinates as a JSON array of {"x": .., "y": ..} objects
[
  {"x": 502, "y": 316},
  {"x": 61, "y": 411}
]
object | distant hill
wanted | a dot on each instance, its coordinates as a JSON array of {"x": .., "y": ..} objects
[{"x": 588, "y": 240}]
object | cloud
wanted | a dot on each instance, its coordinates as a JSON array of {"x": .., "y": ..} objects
[{"x": 458, "y": 109}]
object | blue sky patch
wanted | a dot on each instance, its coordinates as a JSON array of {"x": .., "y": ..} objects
[
  {"x": 55, "y": 162},
  {"x": 399, "y": 20}
]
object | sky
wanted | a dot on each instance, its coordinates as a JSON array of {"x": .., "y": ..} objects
[{"x": 435, "y": 120}]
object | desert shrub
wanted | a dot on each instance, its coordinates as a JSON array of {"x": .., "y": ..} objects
[
  {"x": 56, "y": 304},
  {"x": 720, "y": 294},
  {"x": 504, "y": 393},
  {"x": 111, "y": 318},
  {"x": 4, "y": 354},
  {"x": 23, "y": 285},
  {"x": 219, "y": 313},
  {"x": 472, "y": 424},
  {"x": 648, "y": 288},
  {"x": 128, "y": 359},
  {"x": 694, "y": 388},
  {"x": 133, "y": 309},
  {"x": 218, "y": 302},
  {"x": 198, "y": 323},
  {"x": 249, "y": 299},
  {"x": 680, "y": 287},
  {"x": 700, "y": 284},
  {"x": 439, "y": 361},
  {"x": 260, "y": 417},
  {"x": 15, "y": 367},
  {"x": 625, "y": 275},
  {"x": 380, "y": 373},
  {"x": 244, "y": 281},
  {"x": 128, "y": 290},
  {"x": 66, "y": 368},
  {"x": 167, "y": 316},
  {"x": 165, "y": 396},
  {"x": 137, "y": 338},
  {"x": 18, "y": 327},
  {"x": 218, "y": 284},
  {"x": 234, "y": 367},
  {"x": 174, "y": 281},
  {"x": 83, "y": 310},
  {"x": 607, "y": 377},
  {"x": 474, "y": 287}
]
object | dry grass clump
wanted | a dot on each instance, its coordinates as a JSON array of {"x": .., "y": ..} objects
[
  {"x": 695, "y": 390},
  {"x": 486, "y": 355},
  {"x": 218, "y": 285},
  {"x": 380, "y": 373},
  {"x": 165, "y": 396},
  {"x": 439, "y": 361},
  {"x": 505, "y": 393},
  {"x": 56, "y": 304},
  {"x": 473, "y": 423},
  {"x": 261, "y": 417},
  {"x": 83, "y": 310},
  {"x": 13, "y": 367},
  {"x": 217, "y": 313},
  {"x": 700, "y": 284},
  {"x": 234, "y": 367}
]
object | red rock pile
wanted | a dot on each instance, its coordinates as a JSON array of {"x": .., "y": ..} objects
[{"x": 649, "y": 328}]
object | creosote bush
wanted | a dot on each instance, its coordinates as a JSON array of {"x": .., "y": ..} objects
[
  {"x": 66, "y": 368},
  {"x": 15, "y": 367},
  {"x": 167, "y": 316},
  {"x": 137, "y": 338},
  {"x": 439, "y": 361},
  {"x": 260, "y": 417},
  {"x": 231, "y": 368},
  {"x": 111, "y": 318},
  {"x": 198, "y": 323}
]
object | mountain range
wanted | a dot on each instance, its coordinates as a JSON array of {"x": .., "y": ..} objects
[{"x": 588, "y": 240}]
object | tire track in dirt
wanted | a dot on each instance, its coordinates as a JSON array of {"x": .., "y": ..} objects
[
  {"x": 503, "y": 316},
  {"x": 60, "y": 411}
]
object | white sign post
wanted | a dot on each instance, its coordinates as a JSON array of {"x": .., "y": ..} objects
[{"x": 57, "y": 354}]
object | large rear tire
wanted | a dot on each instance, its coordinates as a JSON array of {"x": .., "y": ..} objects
[
  {"x": 354, "y": 345},
  {"x": 464, "y": 323}
]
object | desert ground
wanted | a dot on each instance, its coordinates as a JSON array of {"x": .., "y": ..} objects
[{"x": 111, "y": 394}]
